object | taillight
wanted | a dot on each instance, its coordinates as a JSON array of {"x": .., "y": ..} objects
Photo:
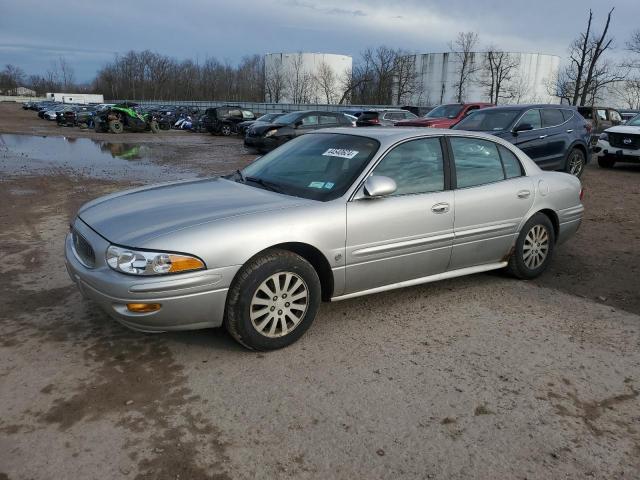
[
  {"x": 581, "y": 194},
  {"x": 374, "y": 120}
]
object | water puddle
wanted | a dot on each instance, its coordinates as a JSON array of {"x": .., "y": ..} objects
[{"x": 29, "y": 155}]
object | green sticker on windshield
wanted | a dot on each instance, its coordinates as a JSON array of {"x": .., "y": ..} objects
[{"x": 316, "y": 184}]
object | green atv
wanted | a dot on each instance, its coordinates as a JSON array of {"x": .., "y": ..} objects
[{"x": 122, "y": 117}]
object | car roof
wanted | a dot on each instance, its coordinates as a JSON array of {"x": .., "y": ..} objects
[{"x": 527, "y": 106}]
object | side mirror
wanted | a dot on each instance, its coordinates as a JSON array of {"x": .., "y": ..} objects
[
  {"x": 522, "y": 127},
  {"x": 298, "y": 123},
  {"x": 378, "y": 186}
]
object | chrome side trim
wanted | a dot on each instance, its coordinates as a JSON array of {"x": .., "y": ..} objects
[
  {"x": 389, "y": 247},
  {"x": 488, "y": 229},
  {"x": 431, "y": 278}
]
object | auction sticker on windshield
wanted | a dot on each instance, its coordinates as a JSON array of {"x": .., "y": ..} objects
[{"x": 340, "y": 152}]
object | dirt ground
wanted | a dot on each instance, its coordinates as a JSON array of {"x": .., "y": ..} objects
[{"x": 479, "y": 377}]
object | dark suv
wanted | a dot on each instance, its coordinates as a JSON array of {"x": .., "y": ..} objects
[
  {"x": 383, "y": 117},
  {"x": 556, "y": 137},
  {"x": 224, "y": 120},
  {"x": 267, "y": 136}
]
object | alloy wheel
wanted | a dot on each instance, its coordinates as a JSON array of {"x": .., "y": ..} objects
[
  {"x": 279, "y": 304},
  {"x": 536, "y": 247},
  {"x": 576, "y": 164}
]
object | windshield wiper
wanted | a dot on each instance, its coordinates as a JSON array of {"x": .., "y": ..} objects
[{"x": 268, "y": 185}]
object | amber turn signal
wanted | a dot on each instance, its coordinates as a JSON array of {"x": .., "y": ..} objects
[
  {"x": 180, "y": 263},
  {"x": 143, "y": 307}
]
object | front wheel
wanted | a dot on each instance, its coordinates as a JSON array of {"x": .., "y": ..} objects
[
  {"x": 153, "y": 126},
  {"x": 534, "y": 248},
  {"x": 115, "y": 126},
  {"x": 575, "y": 162},
  {"x": 226, "y": 130},
  {"x": 273, "y": 301}
]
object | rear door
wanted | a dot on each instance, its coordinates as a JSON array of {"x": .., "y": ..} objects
[
  {"x": 492, "y": 196},
  {"x": 557, "y": 137},
  {"x": 408, "y": 234}
]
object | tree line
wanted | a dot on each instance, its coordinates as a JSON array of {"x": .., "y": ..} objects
[{"x": 380, "y": 75}]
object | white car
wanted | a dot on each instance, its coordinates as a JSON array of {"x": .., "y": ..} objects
[{"x": 619, "y": 144}]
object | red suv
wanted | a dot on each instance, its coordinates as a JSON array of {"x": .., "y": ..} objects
[{"x": 444, "y": 116}]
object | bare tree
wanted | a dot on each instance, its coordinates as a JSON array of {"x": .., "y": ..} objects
[
  {"x": 407, "y": 82},
  {"x": 300, "y": 82},
  {"x": 11, "y": 77},
  {"x": 275, "y": 83},
  {"x": 587, "y": 73},
  {"x": 350, "y": 82},
  {"x": 67, "y": 75},
  {"x": 463, "y": 50},
  {"x": 327, "y": 81},
  {"x": 499, "y": 69}
]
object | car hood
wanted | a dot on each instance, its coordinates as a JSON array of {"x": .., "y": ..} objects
[
  {"x": 624, "y": 129},
  {"x": 133, "y": 217}
]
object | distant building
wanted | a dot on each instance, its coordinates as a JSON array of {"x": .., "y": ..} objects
[
  {"x": 21, "y": 92},
  {"x": 436, "y": 75},
  {"x": 305, "y": 77}
]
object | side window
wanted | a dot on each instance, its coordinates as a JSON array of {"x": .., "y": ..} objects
[
  {"x": 234, "y": 113},
  {"x": 327, "y": 120},
  {"x": 512, "y": 166},
  {"x": 551, "y": 117},
  {"x": 310, "y": 120},
  {"x": 602, "y": 114},
  {"x": 416, "y": 166},
  {"x": 477, "y": 162},
  {"x": 615, "y": 116},
  {"x": 394, "y": 116},
  {"x": 532, "y": 117},
  {"x": 567, "y": 114}
]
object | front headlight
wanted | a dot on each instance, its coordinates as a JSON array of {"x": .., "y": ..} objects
[
  {"x": 270, "y": 133},
  {"x": 604, "y": 136},
  {"x": 138, "y": 262}
]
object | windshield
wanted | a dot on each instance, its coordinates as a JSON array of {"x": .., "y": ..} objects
[
  {"x": 634, "y": 122},
  {"x": 316, "y": 166},
  {"x": 289, "y": 118},
  {"x": 445, "y": 111},
  {"x": 487, "y": 120}
]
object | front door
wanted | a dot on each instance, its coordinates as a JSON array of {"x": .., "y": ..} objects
[{"x": 408, "y": 234}]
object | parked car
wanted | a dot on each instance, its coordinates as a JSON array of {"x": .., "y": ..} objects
[
  {"x": 353, "y": 119},
  {"x": 555, "y": 137},
  {"x": 266, "y": 137},
  {"x": 600, "y": 118},
  {"x": 619, "y": 144},
  {"x": 416, "y": 110},
  {"x": 444, "y": 116},
  {"x": 386, "y": 117},
  {"x": 265, "y": 119},
  {"x": 53, "y": 113},
  {"x": 332, "y": 215},
  {"x": 224, "y": 120}
]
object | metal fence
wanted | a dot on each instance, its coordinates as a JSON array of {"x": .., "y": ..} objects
[{"x": 258, "y": 107}]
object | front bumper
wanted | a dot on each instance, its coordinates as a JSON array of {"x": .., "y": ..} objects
[
  {"x": 188, "y": 301},
  {"x": 604, "y": 150},
  {"x": 261, "y": 143}
]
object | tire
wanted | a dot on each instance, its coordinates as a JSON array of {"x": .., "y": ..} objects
[
  {"x": 529, "y": 266},
  {"x": 226, "y": 130},
  {"x": 153, "y": 126},
  {"x": 115, "y": 126},
  {"x": 576, "y": 162},
  {"x": 254, "y": 293},
  {"x": 604, "y": 162}
]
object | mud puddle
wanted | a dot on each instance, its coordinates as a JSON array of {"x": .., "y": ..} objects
[{"x": 30, "y": 154}]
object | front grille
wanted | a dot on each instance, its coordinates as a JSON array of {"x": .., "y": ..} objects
[
  {"x": 624, "y": 140},
  {"x": 83, "y": 250}
]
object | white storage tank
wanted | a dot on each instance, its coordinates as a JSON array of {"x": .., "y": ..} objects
[
  {"x": 437, "y": 75},
  {"x": 305, "y": 77}
]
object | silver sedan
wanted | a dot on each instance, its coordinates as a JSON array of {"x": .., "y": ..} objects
[{"x": 328, "y": 216}]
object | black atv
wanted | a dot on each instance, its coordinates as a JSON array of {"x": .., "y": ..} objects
[{"x": 122, "y": 117}]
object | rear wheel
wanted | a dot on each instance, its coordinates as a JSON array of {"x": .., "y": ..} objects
[
  {"x": 605, "y": 162},
  {"x": 534, "y": 248},
  {"x": 576, "y": 162},
  {"x": 273, "y": 301},
  {"x": 115, "y": 126},
  {"x": 153, "y": 126}
]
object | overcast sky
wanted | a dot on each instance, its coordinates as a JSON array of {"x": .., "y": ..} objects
[{"x": 88, "y": 33}]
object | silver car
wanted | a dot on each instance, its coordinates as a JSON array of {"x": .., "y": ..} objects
[{"x": 331, "y": 215}]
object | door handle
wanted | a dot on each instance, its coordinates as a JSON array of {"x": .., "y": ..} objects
[
  {"x": 524, "y": 194},
  {"x": 570, "y": 130},
  {"x": 542, "y": 136},
  {"x": 440, "y": 208}
]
